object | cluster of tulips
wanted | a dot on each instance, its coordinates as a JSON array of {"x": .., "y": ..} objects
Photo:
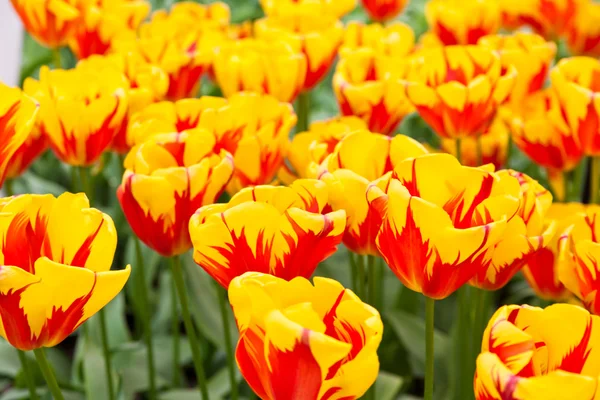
[{"x": 262, "y": 204}]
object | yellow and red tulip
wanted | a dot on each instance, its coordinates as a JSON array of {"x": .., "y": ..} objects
[
  {"x": 440, "y": 220},
  {"x": 51, "y": 22},
  {"x": 362, "y": 157},
  {"x": 55, "y": 258},
  {"x": 18, "y": 114},
  {"x": 316, "y": 36},
  {"x": 81, "y": 110},
  {"x": 457, "y": 89},
  {"x": 27, "y": 153},
  {"x": 529, "y": 353},
  {"x": 370, "y": 86},
  {"x": 462, "y": 21},
  {"x": 525, "y": 236},
  {"x": 167, "y": 178},
  {"x": 530, "y": 54},
  {"x": 541, "y": 270},
  {"x": 103, "y": 21},
  {"x": 383, "y": 10},
  {"x": 260, "y": 66},
  {"x": 395, "y": 39},
  {"x": 549, "y": 18},
  {"x": 579, "y": 257},
  {"x": 299, "y": 341},
  {"x": 576, "y": 82},
  {"x": 282, "y": 231},
  {"x": 254, "y": 128},
  {"x": 583, "y": 35},
  {"x": 335, "y": 8}
]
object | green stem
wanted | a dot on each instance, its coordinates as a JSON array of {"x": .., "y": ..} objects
[
  {"x": 353, "y": 269},
  {"x": 28, "y": 377},
  {"x": 56, "y": 58},
  {"x": 480, "y": 303},
  {"x": 595, "y": 180},
  {"x": 8, "y": 188},
  {"x": 145, "y": 311},
  {"x": 107, "y": 356},
  {"x": 222, "y": 295},
  {"x": 458, "y": 149},
  {"x": 372, "y": 280},
  {"x": 479, "y": 150},
  {"x": 85, "y": 183},
  {"x": 303, "y": 111},
  {"x": 429, "y": 314},
  {"x": 189, "y": 327},
  {"x": 508, "y": 151},
  {"x": 48, "y": 373},
  {"x": 361, "y": 287},
  {"x": 463, "y": 345},
  {"x": 175, "y": 331}
]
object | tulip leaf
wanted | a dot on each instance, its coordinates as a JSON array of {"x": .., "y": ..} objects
[
  {"x": 9, "y": 361},
  {"x": 387, "y": 386},
  {"x": 218, "y": 388},
  {"x": 94, "y": 370}
]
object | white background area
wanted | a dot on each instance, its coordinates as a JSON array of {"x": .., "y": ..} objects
[{"x": 11, "y": 40}]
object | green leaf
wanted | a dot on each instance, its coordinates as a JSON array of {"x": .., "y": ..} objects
[
  {"x": 9, "y": 360},
  {"x": 387, "y": 386},
  {"x": 94, "y": 371},
  {"x": 218, "y": 388}
]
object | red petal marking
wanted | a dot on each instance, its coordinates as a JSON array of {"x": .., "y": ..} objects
[
  {"x": 454, "y": 207},
  {"x": 446, "y": 36},
  {"x": 23, "y": 243},
  {"x": 589, "y": 130},
  {"x": 313, "y": 77},
  {"x": 7, "y": 132},
  {"x": 363, "y": 241},
  {"x": 25, "y": 155},
  {"x": 98, "y": 141},
  {"x": 563, "y": 155},
  {"x": 89, "y": 42},
  {"x": 82, "y": 255},
  {"x": 185, "y": 82},
  {"x": 382, "y": 10},
  {"x": 250, "y": 356},
  {"x": 541, "y": 275},
  {"x": 294, "y": 374},
  {"x": 575, "y": 360}
]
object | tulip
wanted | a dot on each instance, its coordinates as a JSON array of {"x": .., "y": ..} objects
[
  {"x": 81, "y": 110},
  {"x": 17, "y": 118},
  {"x": 257, "y": 65},
  {"x": 51, "y": 22},
  {"x": 282, "y": 231},
  {"x": 55, "y": 274},
  {"x": 370, "y": 86},
  {"x": 102, "y": 21},
  {"x": 26, "y": 154},
  {"x": 525, "y": 234},
  {"x": 336, "y": 8},
  {"x": 462, "y": 22},
  {"x": 299, "y": 341},
  {"x": 316, "y": 36},
  {"x": 395, "y": 39},
  {"x": 549, "y": 18},
  {"x": 439, "y": 221},
  {"x": 348, "y": 176},
  {"x": 383, "y": 10},
  {"x": 254, "y": 128},
  {"x": 529, "y": 353},
  {"x": 146, "y": 84},
  {"x": 457, "y": 89},
  {"x": 583, "y": 36},
  {"x": 167, "y": 178},
  {"x": 579, "y": 258},
  {"x": 541, "y": 270},
  {"x": 531, "y": 56}
]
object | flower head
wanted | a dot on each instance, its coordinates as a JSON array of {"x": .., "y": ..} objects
[
  {"x": 50, "y": 22},
  {"x": 457, "y": 89},
  {"x": 530, "y": 353},
  {"x": 81, "y": 110},
  {"x": 348, "y": 175},
  {"x": 55, "y": 258},
  {"x": 261, "y": 66},
  {"x": 395, "y": 39},
  {"x": 167, "y": 178},
  {"x": 440, "y": 220},
  {"x": 282, "y": 231},
  {"x": 383, "y": 10},
  {"x": 462, "y": 21},
  {"x": 549, "y": 18},
  {"x": 335, "y": 8},
  {"x": 583, "y": 35}
]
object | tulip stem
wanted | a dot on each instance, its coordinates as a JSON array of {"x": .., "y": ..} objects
[
  {"x": 175, "y": 331},
  {"x": 56, "y": 58},
  {"x": 353, "y": 270},
  {"x": 303, "y": 111},
  {"x": 107, "y": 356},
  {"x": 361, "y": 289},
  {"x": 143, "y": 292},
  {"x": 28, "y": 377},
  {"x": 8, "y": 187},
  {"x": 222, "y": 295},
  {"x": 595, "y": 183},
  {"x": 372, "y": 278},
  {"x": 189, "y": 326},
  {"x": 458, "y": 149},
  {"x": 48, "y": 373},
  {"x": 429, "y": 354}
]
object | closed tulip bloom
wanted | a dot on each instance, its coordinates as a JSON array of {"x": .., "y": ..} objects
[
  {"x": 167, "y": 178},
  {"x": 50, "y": 22},
  {"x": 583, "y": 36},
  {"x": 525, "y": 235},
  {"x": 254, "y": 128},
  {"x": 103, "y": 21},
  {"x": 348, "y": 176},
  {"x": 18, "y": 114},
  {"x": 303, "y": 341},
  {"x": 383, "y": 10},
  {"x": 579, "y": 258},
  {"x": 576, "y": 82},
  {"x": 529, "y": 353},
  {"x": 282, "y": 231},
  {"x": 530, "y": 54},
  {"x": 55, "y": 258},
  {"x": 541, "y": 270},
  {"x": 27, "y": 153},
  {"x": 549, "y": 18},
  {"x": 336, "y": 8},
  {"x": 440, "y": 220},
  {"x": 462, "y": 22},
  {"x": 81, "y": 110},
  {"x": 395, "y": 39},
  {"x": 261, "y": 66},
  {"x": 370, "y": 86},
  {"x": 190, "y": 15},
  {"x": 317, "y": 36},
  {"x": 457, "y": 89}
]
